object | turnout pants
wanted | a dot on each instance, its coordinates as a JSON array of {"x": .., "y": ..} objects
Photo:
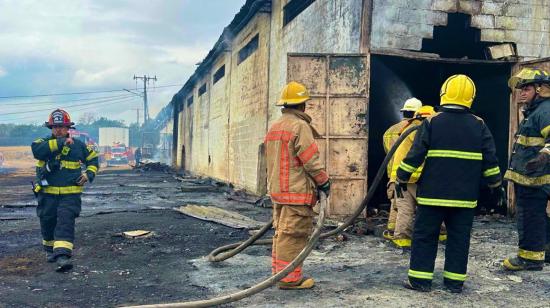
[
  {"x": 533, "y": 222},
  {"x": 405, "y": 213},
  {"x": 425, "y": 239},
  {"x": 293, "y": 225},
  {"x": 57, "y": 215},
  {"x": 392, "y": 217}
]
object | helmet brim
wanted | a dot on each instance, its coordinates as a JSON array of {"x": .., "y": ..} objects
[{"x": 290, "y": 102}]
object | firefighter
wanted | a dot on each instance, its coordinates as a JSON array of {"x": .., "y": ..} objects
[
  {"x": 410, "y": 106},
  {"x": 529, "y": 169},
  {"x": 60, "y": 183},
  {"x": 458, "y": 150},
  {"x": 406, "y": 201},
  {"x": 294, "y": 174}
]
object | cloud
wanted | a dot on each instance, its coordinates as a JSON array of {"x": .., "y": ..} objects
[{"x": 73, "y": 46}]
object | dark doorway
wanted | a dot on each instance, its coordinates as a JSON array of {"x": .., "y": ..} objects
[{"x": 394, "y": 79}]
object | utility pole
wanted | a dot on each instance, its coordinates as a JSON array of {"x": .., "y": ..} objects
[
  {"x": 137, "y": 119},
  {"x": 145, "y": 79}
]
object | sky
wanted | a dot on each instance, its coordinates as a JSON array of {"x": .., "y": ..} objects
[{"x": 75, "y": 46}]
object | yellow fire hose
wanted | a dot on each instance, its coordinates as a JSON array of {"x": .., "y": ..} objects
[{"x": 233, "y": 249}]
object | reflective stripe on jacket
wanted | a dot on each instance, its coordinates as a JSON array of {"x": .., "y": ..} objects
[
  {"x": 458, "y": 150},
  {"x": 390, "y": 136},
  {"x": 294, "y": 167},
  {"x": 68, "y": 161},
  {"x": 532, "y": 138},
  {"x": 402, "y": 151}
]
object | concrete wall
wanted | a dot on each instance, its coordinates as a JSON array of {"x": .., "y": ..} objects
[
  {"x": 181, "y": 140},
  {"x": 248, "y": 104},
  {"x": 219, "y": 120},
  {"x": 403, "y": 24},
  {"x": 326, "y": 26}
]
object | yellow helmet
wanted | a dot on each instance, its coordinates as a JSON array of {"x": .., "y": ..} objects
[
  {"x": 528, "y": 76},
  {"x": 293, "y": 93},
  {"x": 458, "y": 90},
  {"x": 424, "y": 111},
  {"x": 412, "y": 104}
]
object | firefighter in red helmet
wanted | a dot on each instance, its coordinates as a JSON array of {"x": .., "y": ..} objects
[{"x": 60, "y": 182}]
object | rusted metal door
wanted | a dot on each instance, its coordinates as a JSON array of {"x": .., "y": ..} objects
[
  {"x": 516, "y": 117},
  {"x": 339, "y": 86}
]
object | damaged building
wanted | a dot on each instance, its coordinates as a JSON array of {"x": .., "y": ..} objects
[{"x": 360, "y": 59}]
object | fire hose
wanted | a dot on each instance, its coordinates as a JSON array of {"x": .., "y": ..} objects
[{"x": 228, "y": 251}]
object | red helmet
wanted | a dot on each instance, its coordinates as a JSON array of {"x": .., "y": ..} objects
[{"x": 59, "y": 117}]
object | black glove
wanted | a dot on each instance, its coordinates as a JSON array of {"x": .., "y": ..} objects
[
  {"x": 325, "y": 188},
  {"x": 500, "y": 193},
  {"x": 400, "y": 187},
  {"x": 538, "y": 162}
]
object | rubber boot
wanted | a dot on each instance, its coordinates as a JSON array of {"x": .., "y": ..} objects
[
  {"x": 388, "y": 234},
  {"x": 520, "y": 264},
  {"x": 416, "y": 287},
  {"x": 50, "y": 257},
  {"x": 63, "y": 264},
  {"x": 403, "y": 243},
  {"x": 304, "y": 283},
  {"x": 453, "y": 286}
]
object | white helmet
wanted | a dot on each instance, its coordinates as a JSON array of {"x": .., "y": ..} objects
[{"x": 412, "y": 104}]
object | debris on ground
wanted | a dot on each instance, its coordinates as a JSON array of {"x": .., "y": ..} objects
[
  {"x": 153, "y": 166},
  {"x": 221, "y": 216},
  {"x": 135, "y": 234}
]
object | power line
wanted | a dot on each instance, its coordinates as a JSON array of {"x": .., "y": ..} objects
[
  {"x": 20, "y": 118},
  {"x": 60, "y": 102},
  {"x": 75, "y": 105},
  {"x": 81, "y": 93}
]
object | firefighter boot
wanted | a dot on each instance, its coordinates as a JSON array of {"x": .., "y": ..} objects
[
  {"x": 547, "y": 254},
  {"x": 520, "y": 264},
  {"x": 63, "y": 264},
  {"x": 403, "y": 243},
  {"x": 408, "y": 284},
  {"x": 304, "y": 283},
  {"x": 388, "y": 234},
  {"x": 50, "y": 257}
]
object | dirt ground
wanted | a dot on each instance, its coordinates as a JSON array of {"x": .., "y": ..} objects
[{"x": 110, "y": 270}]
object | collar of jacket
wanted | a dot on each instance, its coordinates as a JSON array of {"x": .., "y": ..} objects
[
  {"x": 454, "y": 109},
  {"x": 533, "y": 105},
  {"x": 297, "y": 113},
  {"x": 303, "y": 116}
]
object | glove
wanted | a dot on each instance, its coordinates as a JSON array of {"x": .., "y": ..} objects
[
  {"x": 325, "y": 188},
  {"x": 501, "y": 196},
  {"x": 82, "y": 179},
  {"x": 538, "y": 162},
  {"x": 400, "y": 188}
]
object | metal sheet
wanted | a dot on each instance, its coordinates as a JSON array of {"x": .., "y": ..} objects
[
  {"x": 348, "y": 117},
  {"x": 316, "y": 109},
  {"x": 342, "y": 81}
]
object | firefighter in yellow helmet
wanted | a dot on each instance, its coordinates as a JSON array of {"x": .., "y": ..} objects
[
  {"x": 405, "y": 201},
  {"x": 410, "y": 106},
  {"x": 457, "y": 150},
  {"x": 294, "y": 174},
  {"x": 529, "y": 170},
  {"x": 60, "y": 182}
]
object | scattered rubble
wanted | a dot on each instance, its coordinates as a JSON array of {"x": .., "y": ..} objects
[{"x": 225, "y": 217}]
